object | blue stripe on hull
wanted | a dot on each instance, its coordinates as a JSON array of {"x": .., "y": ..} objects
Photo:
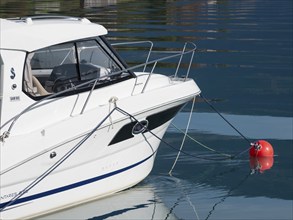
[{"x": 74, "y": 185}]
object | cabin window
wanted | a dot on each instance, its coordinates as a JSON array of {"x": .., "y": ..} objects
[{"x": 71, "y": 65}]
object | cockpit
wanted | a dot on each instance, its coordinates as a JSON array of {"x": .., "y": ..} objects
[{"x": 71, "y": 65}]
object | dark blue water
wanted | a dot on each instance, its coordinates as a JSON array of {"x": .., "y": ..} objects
[{"x": 244, "y": 66}]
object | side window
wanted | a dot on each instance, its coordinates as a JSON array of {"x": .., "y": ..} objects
[
  {"x": 95, "y": 61},
  {"x": 92, "y": 61},
  {"x": 50, "y": 70}
]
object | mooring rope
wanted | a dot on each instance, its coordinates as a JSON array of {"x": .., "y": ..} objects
[
  {"x": 225, "y": 156},
  {"x": 232, "y": 126},
  {"x": 186, "y": 153},
  {"x": 184, "y": 138},
  {"x": 201, "y": 144},
  {"x": 229, "y": 123},
  {"x": 170, "y": 145}
]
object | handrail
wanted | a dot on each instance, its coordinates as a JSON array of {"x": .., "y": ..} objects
[
  {"x": 181, "y": 53},
  {"x": 149, "y": 76},
  {"x": 94, "y": 81},
  {"x": 138, "y": 42},
  {"x": 179, "y": 62}
]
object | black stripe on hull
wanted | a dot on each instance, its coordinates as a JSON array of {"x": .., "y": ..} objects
[{"x": 154, "y": 120}]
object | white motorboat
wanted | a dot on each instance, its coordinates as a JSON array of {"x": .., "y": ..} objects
[{"x": 76, "y": 123}]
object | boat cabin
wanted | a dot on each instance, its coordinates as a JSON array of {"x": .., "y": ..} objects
[{"x": 41, "y": 56}]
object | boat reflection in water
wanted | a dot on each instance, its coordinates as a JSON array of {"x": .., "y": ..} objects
[{"x": 138, "y": 202}]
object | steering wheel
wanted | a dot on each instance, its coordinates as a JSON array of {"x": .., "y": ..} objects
[{"x": 61, "y": 84}]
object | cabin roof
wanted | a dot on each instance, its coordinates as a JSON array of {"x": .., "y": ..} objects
[{"x": 32, "y": 33}]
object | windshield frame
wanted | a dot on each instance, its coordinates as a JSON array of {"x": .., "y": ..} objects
[{"x": 106, "y": 48}]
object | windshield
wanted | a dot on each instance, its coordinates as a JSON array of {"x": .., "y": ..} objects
[{"x": 60, "y": 67}]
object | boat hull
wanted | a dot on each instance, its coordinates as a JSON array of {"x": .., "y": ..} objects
[
  {"x": 72, "y": 160},
  {"x": 82, "y": 177}
]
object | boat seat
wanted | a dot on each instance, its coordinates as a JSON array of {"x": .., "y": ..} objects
[{"x": 40, "y": 88}]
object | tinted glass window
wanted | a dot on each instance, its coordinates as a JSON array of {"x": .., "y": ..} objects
[{"x": 60, "y": 67}]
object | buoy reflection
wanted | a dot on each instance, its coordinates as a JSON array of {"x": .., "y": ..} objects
[{"x": 261, "y": 164}]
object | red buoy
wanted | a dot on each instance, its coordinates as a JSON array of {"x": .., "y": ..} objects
[{"x": 261, "y": 148}]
